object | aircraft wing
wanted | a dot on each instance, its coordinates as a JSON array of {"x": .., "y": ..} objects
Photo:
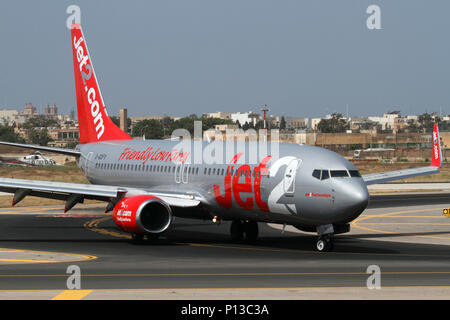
[
  {"x": 69, "y": 152},
  {"x": 436, "y": 164},
  {"x": 74, "y": 193},
  {"x": 380, "y": 177}
]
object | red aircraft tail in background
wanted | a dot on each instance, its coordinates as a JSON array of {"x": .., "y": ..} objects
[{"x": 437, "y": 153}]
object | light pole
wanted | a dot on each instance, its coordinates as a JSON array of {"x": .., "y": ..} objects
[{"x": 265, "y": 110}]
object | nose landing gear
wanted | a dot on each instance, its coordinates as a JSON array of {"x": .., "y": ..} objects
[
  {"x": 325, "y": 241},
  {"x": 324, "y": 244}
]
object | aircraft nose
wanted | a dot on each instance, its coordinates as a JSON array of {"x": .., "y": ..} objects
[
  {"x": 351, "y": 200},
  {"x": 359, "y": 197}
]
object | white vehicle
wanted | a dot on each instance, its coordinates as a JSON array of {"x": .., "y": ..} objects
[{"x": 371, "y": 151}]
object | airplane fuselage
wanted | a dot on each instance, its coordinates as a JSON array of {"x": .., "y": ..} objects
[{"x": 288, "y": 183}]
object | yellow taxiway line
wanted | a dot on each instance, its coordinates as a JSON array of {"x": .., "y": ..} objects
[
  {"x": 357, "y": 223},
  {"x": 9, "y": 261},
  {"x": 72, "y": 295}
]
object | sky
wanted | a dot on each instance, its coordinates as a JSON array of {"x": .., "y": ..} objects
[{"x": 303, "y": 58}]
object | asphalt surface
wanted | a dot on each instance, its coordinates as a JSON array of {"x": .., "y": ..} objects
[{"x": 406, "y": 236}]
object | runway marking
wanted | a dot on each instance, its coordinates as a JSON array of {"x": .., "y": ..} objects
[
  {"x": 271, "y": 288},
  {"x": 433, "y": 217},
  {"x": 30, "y": 211},
  {"x": 407, "y": 198},
  {"x": 237, "y": 288},
  {"x": 72, "y": 295},
  {"x": 93, "y": 226},
  {"x": 356, "y": 223},
  {"x": 25, "y": 261},
  {"x": 255, "y": 274},
  {"x": 12, "y": 261}
]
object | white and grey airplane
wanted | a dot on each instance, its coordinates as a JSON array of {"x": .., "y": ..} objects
[{"x": 148, "y": 182}]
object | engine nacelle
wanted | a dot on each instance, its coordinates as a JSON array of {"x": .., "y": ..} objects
[{"x": 142, "y": 214}]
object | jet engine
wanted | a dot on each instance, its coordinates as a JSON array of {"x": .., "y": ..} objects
[{"x": 142, "y": 214}]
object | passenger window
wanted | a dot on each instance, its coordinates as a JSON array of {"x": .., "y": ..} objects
[
  {"x": 339, "y": 173},
  {"x": 325, "y": 174},
  {"x": 316, "y": 174}
]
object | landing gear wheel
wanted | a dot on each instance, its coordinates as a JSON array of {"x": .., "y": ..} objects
[
  {"x": 251, "y": 230},
  {"x": 324, "y": 244},
  {"x": 237, "y": 230}
]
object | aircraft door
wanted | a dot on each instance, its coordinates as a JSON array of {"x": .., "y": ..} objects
[
  {"x": 178, "y": 169},
  {"x": 84, "y": 162},
  {"x": 88, "y": 162},
  {"x": 185, "y": 173},
  {"x": 327, "y": 192}
]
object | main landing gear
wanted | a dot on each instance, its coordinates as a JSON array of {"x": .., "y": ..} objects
[
  {"x": 325, "y": 241},
  {"x": 241, "y": 230}
]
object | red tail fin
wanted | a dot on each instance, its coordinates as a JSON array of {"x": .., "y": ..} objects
[
  {"x": 437, "y": 154},
  {"x": 94, "y": 122}
]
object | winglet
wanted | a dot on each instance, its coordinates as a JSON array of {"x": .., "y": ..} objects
[{"x": 437, "y": 153}]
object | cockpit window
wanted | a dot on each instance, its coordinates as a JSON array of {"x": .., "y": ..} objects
[
  {"x": 321, "y": 174},
  {"x": 339, "y": 173},
  {"x": 316, "y": 174},
  {"x": 354, "y": 173}
]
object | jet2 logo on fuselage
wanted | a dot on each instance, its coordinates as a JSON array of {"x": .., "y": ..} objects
[{"x": 234, "y": 188}]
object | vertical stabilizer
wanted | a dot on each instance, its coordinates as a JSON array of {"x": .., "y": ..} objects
[
  {"x": 437, "y": 153},
  {"x": 94, "y": 123}
]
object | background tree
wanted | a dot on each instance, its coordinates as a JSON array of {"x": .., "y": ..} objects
[
  {"x": 283, "y": 123},
  {"x": 39, "y": 137},
  {"x": 333, "y": 125},
  {"x": 426, "y": 122},
  {"x": 151, "y": 128},
  {"x": 39, "y": 121},
  {"x": 7, "y": 134}
]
